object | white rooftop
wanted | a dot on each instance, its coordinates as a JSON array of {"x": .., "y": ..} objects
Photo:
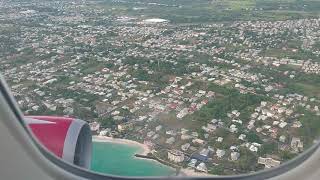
[{"x": 155, "y": 20}]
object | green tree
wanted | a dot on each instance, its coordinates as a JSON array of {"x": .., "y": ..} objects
[
  {"x": 253, "y": 137},
  {"x": 268, "y": 148},
  {"x": 287, "y": 155},
  {"x": 107, "y": 122},
  {"x": 247, "y": 160},
  {"x": 217, "y": 170}
]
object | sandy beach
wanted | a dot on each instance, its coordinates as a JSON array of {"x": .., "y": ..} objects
[
  {"x": 145, "y": 148},
  {"x": 191, "y": 172}
]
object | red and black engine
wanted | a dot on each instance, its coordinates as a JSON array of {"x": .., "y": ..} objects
[{"x": 68, "y": 138}]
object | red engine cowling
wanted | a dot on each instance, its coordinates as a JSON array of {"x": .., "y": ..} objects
[{"x": 68, "y": 138}]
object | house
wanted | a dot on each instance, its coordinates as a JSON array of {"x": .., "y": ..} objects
[
  {"x": 94, "y": 126},
  {"x": 202, "y": 167},
  {"x": 170, "y": 140},
  {"x": 296, "y": 144},
  {"x": 253, "y": 148},
  {"x": 211, "y": 127},
  {"x": 158, "y": 128},
  {"x": 104, "y": 108},
  {"x": 150, "y": 134},
  {"x": 204, "y": 152},
  {"x": 103, "y": 132},
  {"x": 194, "y": 134},
  {"x": 171, "y": 132},
  {"x": 185, "y": 147},
  {"x": 233, "y": 128},
  {"x": 184, "y": 131},
  {"x": 283, "y": 124},
  {"x": 214, "y": 121},
  {"x": 156, "y": 136},
  {"x": 297, "y": 124},
  {"x": 282, "y": 139},
  {"x": 185, "y": 137},
  {"x": 192, "y": 163},
  {"x": 125, "y": 126},
  {"x": 176, "y": 156},
  {"x": 219, "y": 139},
  {"x": 234, "y": 148},
  {"x": 263, "y": 103},
  {"x": 220, "y": 153},
  {"x": 68, "y": 110},
  {"x": 268, "y": 162},
  {"x": 35, "y": 108},
  {"x": 242, "y": 137},
  {"x": 198, "y": 141},
  {"x": 234, "y": 156}
]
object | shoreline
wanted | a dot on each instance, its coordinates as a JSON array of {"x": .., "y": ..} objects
[
  {"x": 145, "y": 149},
  {"x": 144, "y": 152}
]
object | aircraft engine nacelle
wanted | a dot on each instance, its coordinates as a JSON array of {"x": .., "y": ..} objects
[{"x": 68, "y": 138}]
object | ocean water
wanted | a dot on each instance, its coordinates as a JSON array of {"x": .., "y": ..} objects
[{"x": 118, "y": 159}]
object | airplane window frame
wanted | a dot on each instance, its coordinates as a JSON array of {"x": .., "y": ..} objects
[{"x": 88, "y": 174}]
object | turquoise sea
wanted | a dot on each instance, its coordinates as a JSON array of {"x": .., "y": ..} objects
[{"x": 118, "y": 159}]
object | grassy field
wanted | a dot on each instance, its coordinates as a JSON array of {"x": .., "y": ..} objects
[
  {"x": 170, "y": 120},
  {"x": 309, "y": 89},
  {"x": 310, "y": 127},
  {"x": 204, "y": 11},
  {"x": 289, "y": 53}
]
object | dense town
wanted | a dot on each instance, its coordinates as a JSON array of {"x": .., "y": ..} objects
[{"x": 220, "y": 98}]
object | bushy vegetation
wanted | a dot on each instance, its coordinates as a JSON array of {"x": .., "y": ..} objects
[
  {"x": 219, "y": 108},
  {"x": 107, "y": 122}
]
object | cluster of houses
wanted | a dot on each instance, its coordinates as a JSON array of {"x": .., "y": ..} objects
[{"x": 272, "y": 118}]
